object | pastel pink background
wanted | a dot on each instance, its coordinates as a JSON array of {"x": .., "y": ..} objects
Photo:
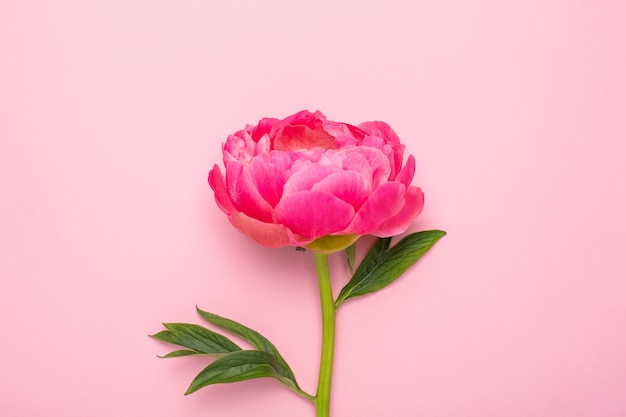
[{"x": 112, "y": 113}]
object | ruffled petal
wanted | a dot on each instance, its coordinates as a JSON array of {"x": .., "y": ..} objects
[
  {"x": 384, "y": 203},
  {"x": 244, "y": 195},
  {"x": 312, "y": 214},
  {"x": 308, "y": 176},
  {"x": 414, "y": 203},
  {"x": 397, "y": 149},
  {"x": 345, "y": 135},
  {"x": 406, "y": 174},
  {"x": 355, "y": 161},
  {"x": 263, "y": 128},
  {"x": 263, "y": 145},
  {"x": 306, "y": 118},
  {"x": 265, "y": 234},
  {"x": 239, "y": 147},
  {"x": 375, "y": 141},
  {"x": 216, "y": 181},
  {"x": 348, "y": 186},
  {"x": 379, "y": 163},
  {"x": 268, "y": 173}
]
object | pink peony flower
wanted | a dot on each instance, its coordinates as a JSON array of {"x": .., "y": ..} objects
[{"x": 308, "y": 181}]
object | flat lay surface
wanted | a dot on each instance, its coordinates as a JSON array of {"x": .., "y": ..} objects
[{"x": 113, "y": 113}]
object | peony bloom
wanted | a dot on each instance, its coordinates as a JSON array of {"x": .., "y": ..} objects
[{"x": 308, "y": 181}]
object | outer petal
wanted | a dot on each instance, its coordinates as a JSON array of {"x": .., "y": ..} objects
[
  {"x": 384, "y": 203},
  {"x": 414, "y": 203},
  {"x": 380, "y": 128},
  {"x": 380, "y": 143},
  {"x": 244, "y": 195},
  {"x": 265, "y": 234},
  {"x": 239, "y": 146},
  {"x": 406, "y": 174},
  {"x": 384, "y": 130},
  {"x": 312, "y": 214},
  {"x": 216, "y": 181}
]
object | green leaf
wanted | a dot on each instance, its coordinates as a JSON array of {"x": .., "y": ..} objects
[
  {"x": 381, "y": 266},
  {"x": 197, "y": 338},
  {"x": 179, "y": 353},
  {"x": 379, "y": 246},
  {"x": 235, "y": 367},
  {"x": 351, "y": 256},
  {"x": 255, "y": 339}
]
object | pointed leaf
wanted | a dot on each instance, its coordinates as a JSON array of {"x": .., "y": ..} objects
[
  {"x": 380, "y": 245},
  {"x": 235, "y": 367},
  {"x": 386, "y": 265},
  {"x": 255, "y": 338},
  {"x": 351, "y": 256},
  {"x": 196, "y": 338},
  {"x": 179, "y": 353}
]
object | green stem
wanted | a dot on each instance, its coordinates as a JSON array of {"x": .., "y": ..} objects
[{"x": 322, "y": 398}]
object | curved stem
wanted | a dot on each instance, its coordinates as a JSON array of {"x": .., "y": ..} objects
[{"x": 322, "y": 398}]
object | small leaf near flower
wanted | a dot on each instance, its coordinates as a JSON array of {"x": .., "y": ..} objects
[{"x": 382, "y": 266}]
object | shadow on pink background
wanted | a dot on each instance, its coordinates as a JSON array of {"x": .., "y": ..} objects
[{"x": 112, "y": 114}]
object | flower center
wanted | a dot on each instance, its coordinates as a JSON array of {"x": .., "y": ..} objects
[{"x": 291, "y": 138}]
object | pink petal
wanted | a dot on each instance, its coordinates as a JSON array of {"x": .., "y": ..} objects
[
  {"x": 385, "y": 131},
  {"x": 380, "y": 129},
  {"x": 305, "y": 156},
  {"x": 379, "y": 163},
  {"x": 263, "y": 145},
  {"x": 357, "y": 132},
  {"x": 268, "y": 174},
  {"x": 266, "y": 234},
  {"x": 307, "y": 177},
  {"x": 216, "y": 181},
  {"x": 239, "y": 147},
  {"x": 244, "y": 195},
  {"x": 312, "y": 214},
  {"x": 406, "y": 174},
  {"x": 414, "y": 203},
  {"x": 384, "y": 203},
  {"x": 390, "y": 152},
  {"x": 345, "y": 135},
  {"x": 263, "y": 128},
  {"x": 348, "y": 186},
  {"x": 398, "y": 152},
  {"x": 373, "y": 141},
  {"x": 306, "y": 118},
  {"x": 355, "y": 161}
]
